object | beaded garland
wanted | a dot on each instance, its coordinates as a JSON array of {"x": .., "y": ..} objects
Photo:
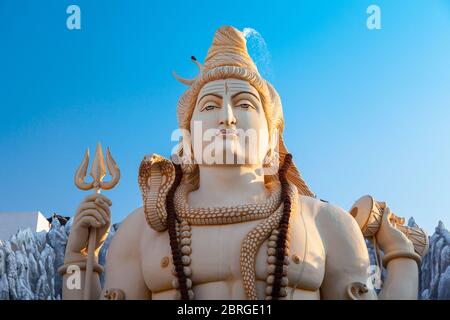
[
  {"x": 275, "y": 227},
  {"x": 224, "y": 215}
]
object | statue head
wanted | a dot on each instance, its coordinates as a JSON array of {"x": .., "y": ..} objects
[{"x": 231, "y": 100}]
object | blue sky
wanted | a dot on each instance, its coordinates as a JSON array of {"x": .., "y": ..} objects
[{"x": 366, "y": 111}]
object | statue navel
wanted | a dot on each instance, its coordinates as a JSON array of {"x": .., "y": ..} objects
[{"x": 165, "y": 262}]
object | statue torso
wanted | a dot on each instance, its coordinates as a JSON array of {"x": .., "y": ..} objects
[{"x": 215, "y": 259}]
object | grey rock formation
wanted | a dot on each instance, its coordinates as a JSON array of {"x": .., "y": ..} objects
[
  {"x": 28, "y": 263},
  {"x": 56, "y": 240},
  {"x": 435, "y": 269}
]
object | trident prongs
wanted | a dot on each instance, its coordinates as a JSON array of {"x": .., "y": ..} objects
[
  {"x": 114, "y": 171},
  {"x": 98, "y": 171},
  {"x": 81, "y": 173}
]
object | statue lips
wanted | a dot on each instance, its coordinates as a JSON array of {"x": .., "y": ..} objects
[{"x": 227, "y": 133}]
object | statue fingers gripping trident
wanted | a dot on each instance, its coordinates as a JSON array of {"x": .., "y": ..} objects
[{"x": 98, "y": 172}]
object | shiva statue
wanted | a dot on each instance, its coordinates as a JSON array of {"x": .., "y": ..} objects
[{"x": 244, "y": 227}]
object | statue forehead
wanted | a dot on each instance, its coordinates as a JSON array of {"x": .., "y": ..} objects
[{"x": 224, "y": 86}]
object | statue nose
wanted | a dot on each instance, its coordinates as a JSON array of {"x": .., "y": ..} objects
[{"x": 227, "y": 115}]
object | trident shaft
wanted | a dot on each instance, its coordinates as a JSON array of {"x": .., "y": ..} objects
[{"x": 98, "y": 172}]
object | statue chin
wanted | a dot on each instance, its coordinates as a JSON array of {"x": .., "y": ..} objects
[{"x": 229, "y": 154}]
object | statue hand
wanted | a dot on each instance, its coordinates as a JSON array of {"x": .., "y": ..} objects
[
  {"x": 93, "y": 212},
  {"x": 390, "y": 238}
]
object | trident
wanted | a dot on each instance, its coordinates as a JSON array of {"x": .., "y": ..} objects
[{"x": 97, "y": 173}]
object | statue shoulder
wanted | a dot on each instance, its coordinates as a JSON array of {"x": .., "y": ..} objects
[
  {"x": 128, "y": 236},
  {"x": 126, "y": 245},
  {"x": 136, "y": 223},
  {"x": 330, "y": 219},
  {"x": 312, "y": 206},
  {"x": 133, "y": 221}
]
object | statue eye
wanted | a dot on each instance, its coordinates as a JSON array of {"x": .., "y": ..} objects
[
  {"x": 209, "y": 107},
  {"x": 244, "y": 105}
]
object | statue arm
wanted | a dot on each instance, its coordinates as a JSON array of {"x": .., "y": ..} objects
[
  {"x": 123, "y": 273},
  {"x": 124, "y": 277},
  {"x": 347, "y": 274},
  {"x": 75, "y": 292},
  {"x": 402, "y": 281},
  {"x": 347, "y": 258}
]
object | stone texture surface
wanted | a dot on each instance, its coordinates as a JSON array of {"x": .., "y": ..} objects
[
  {"x": 29, "y": 260},
  {"x": 435, "y": 270}
]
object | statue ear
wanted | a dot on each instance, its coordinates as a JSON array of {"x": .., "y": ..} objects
[
  {"x": 271, "y": 160},
  {"x": 274, "y": 139},
  {"x": 187, "y": 148}
]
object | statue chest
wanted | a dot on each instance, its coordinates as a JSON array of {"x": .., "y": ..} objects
[{"x": 216, "y": 250}]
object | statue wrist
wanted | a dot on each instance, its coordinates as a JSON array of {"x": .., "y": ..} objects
[
  {"x": 74, "y": 257},
  {"x": 80, "y": 265},
  {"x": 395, "y": 254},
  {"x": 398, "y": 246},
  {"x": 78, "y": 257}
]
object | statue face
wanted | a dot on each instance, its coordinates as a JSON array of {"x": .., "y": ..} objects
[{"x": 228, "y": 125}]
